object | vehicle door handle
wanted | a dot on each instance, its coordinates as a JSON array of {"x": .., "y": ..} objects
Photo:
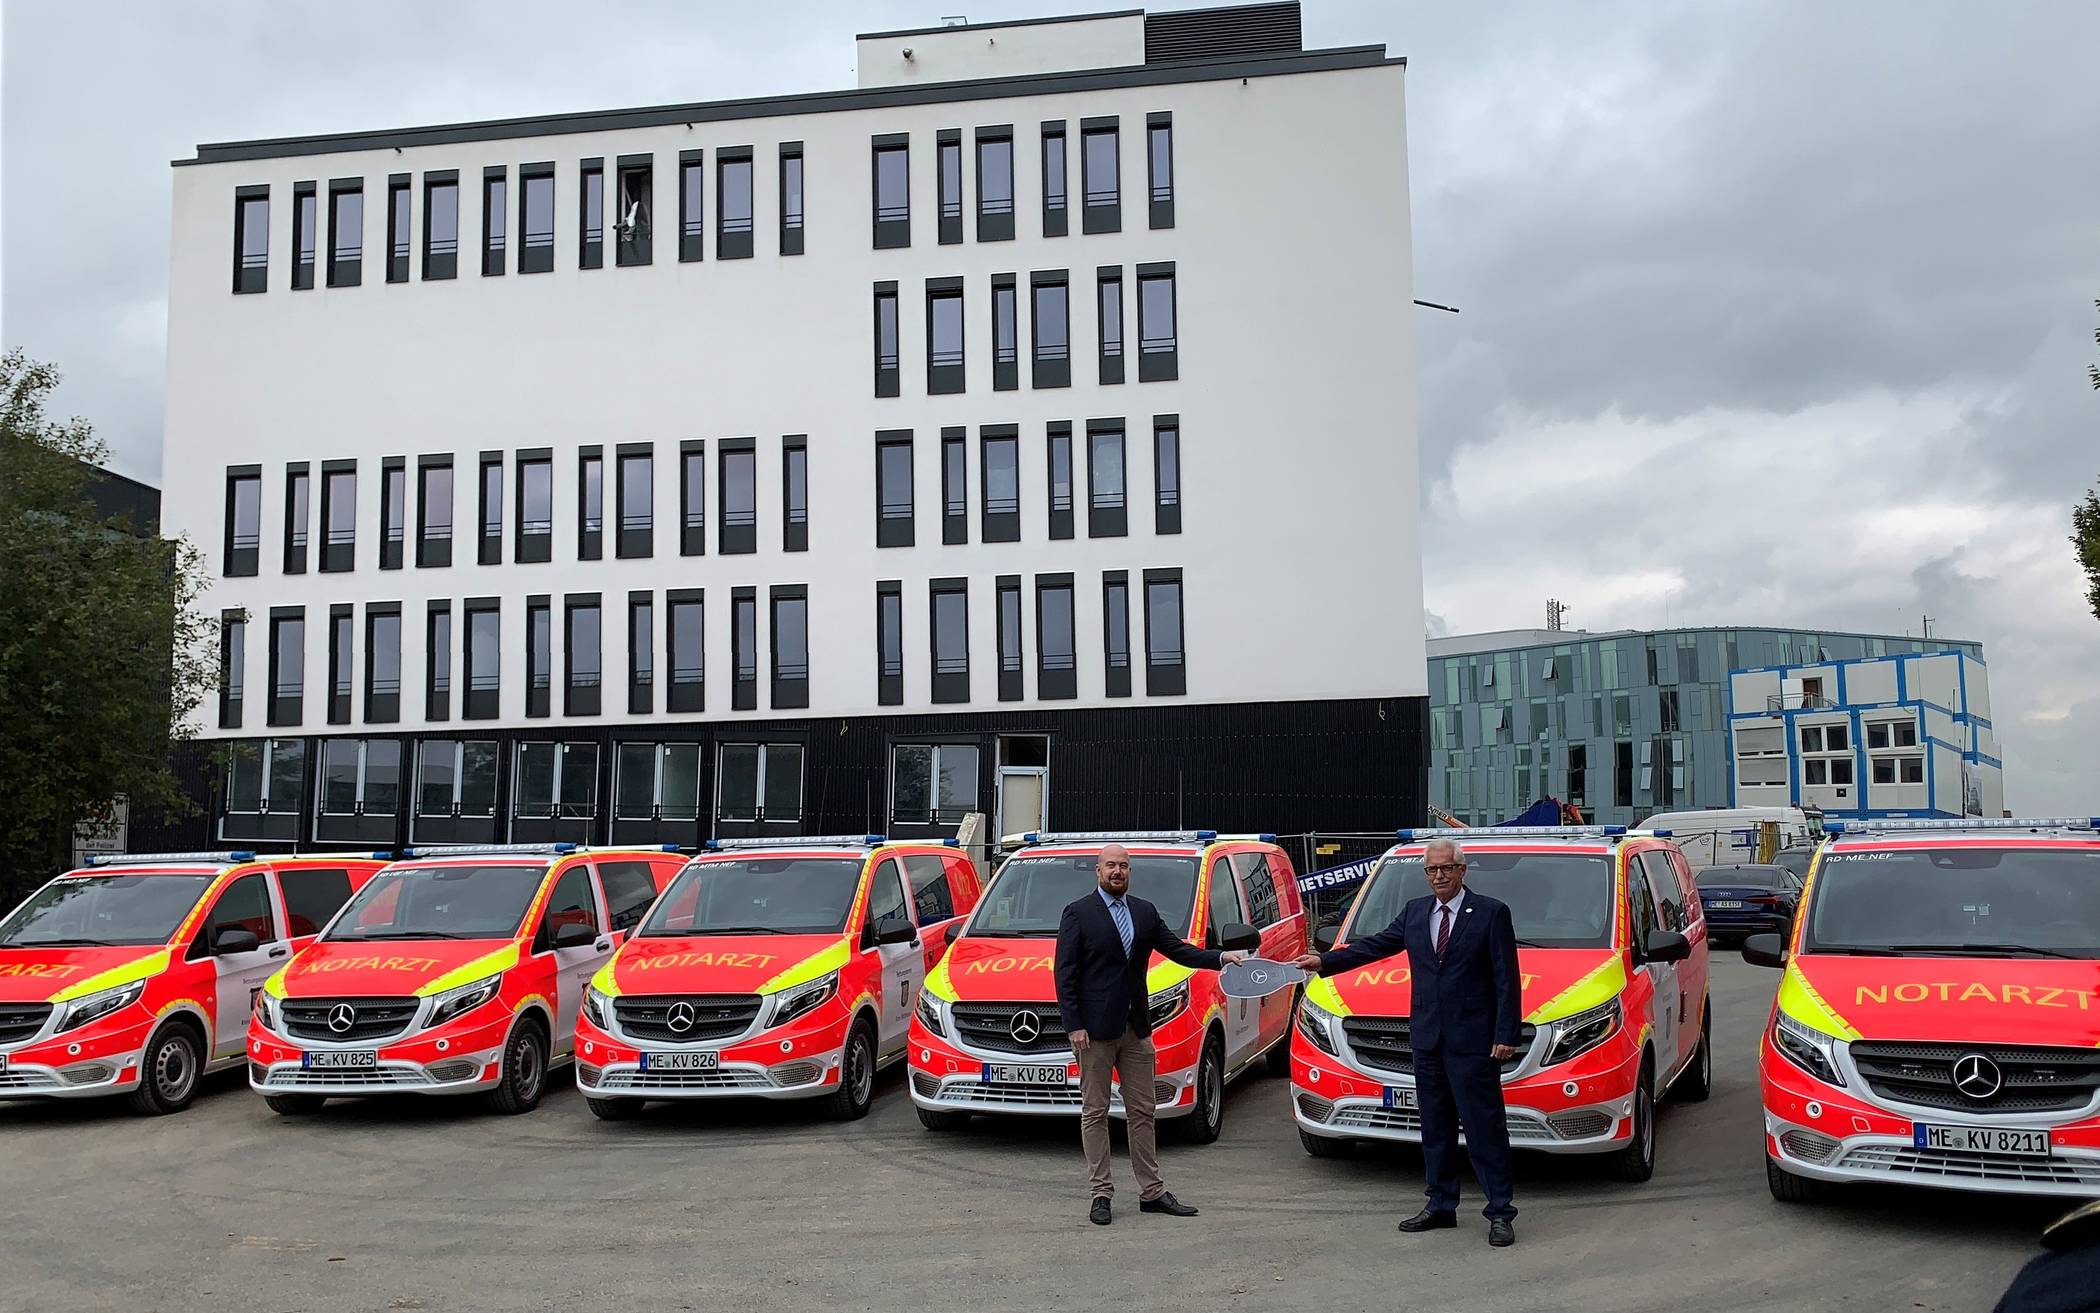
[
  {"x": 604, "y": 945},
  {"x": 279, "y": 951}
]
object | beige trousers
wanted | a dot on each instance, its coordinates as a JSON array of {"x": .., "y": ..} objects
[{"x": 1132, "y": 1059}]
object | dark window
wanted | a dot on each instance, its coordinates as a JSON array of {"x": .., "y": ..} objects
[
  {"x": 684, "y": 634},
  {"x": 1001, "y": 461},
  {"x": 346, "y": 232},
  {"x": 1622, "y": 775},
  {"x": 637, "y": 492},
  {"x": 950, "y": 161},
  {"x": 692, "y": 204},
  {"x": 570, "y": 903},
  {"x": 1166, "y": 669},
  {"x": 1669, "y": 710},
  {"x": 495, "y": 221},
  {"x": 1107, "y": 514},
  {"x": 243, "y": 905},
  {"x": 892, "y": 191},
  {"x": 555, "y": 781},
  {"x": 1158, "y": 349},
  {"x": 1109, "y": 299},
  {"x": 1578, "y": 774},
  {"x": 393, "y": 512},
  {"x": 1159, "y": 161},
  {"x": 590, "y": 219},
  {"x": 266, "y": 777},
  {"x": 287, "y": 663},
  {"x": 1166, "y": 474},
  {"x": 539, "y": 655},
  {"x": 944, "y": 335},
  {"x": 995, "y": 184},
  {"x": 311, "y": 896},
  {"x": 338, "y": 515},
  {"x": 491, "y": 508},
  {"x": 794, "y": 494},
  {"x": 629, "y": 888},
  {"x": 955, "y": 486},
  {"x": 1262, "y": 903},
  {"x": 743, "y": 649},
  {"x": 1054, "y": 211},
  {"x": 893, "y": 491},
  {"x": 1007, "y": 615},
  {"x": 739, "y": 483},
  {"x": 888, "y": 376},
  {"x": 305, "y": 226},
  {"x": 1099, "y": 164},
  {"x": 583, "y": 655},
  {"x": 342, "y": 639},
  {"x": 790, "y": 646},
  {"x": 641, "y": 653},
  {"x": 759, "y": 782},
  {"x": 1060, "y": 480},
  {"x": 590, "y": 504},
  {"x": 1115, "y": 632},
  {"x": 535, "y": 527},
  {"x": 637, "y": 202},
  {"x": 484, "y": 658},
  {"x": 932, "y": 898},
  {"x": 951, "y": 639},
  {"x": 933, "y": 783},
  {"x": 1056, "y": 639},
  {"x": 1050, "y": 328},
  {"x": 791, "y": 198},
  {"x": 437, "y": 662},
  {"x": 298, "y": 511},
  {"x": 434, "y": 511},
  {"x": 233, "y": 667},
  {"x": 400, "y": 222},
  {"x": 536, "y": 218},
  {"x": 441, "y": 225},
  {"x": 734, "y": 203},
  {"x": 692, "y": 497},
  {"x": 251, "y": 239},
  {"x": 243, "y": 522},
  {"x": 382, "y": 664},
  {"x": 889, "y": 643}
]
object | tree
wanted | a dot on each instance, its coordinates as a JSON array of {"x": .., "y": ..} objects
[
  {"x": 2085, "y": 519},
  {"x": 102, "y": 652}
]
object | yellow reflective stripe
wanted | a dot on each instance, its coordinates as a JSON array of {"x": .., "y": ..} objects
[
  {"x": 603, "y": 982},
  {"x": 809, "y": 968},
  {"x": 1166, "y": 975},
  {"x": 150, "y": 965},
  {"x": 503, "y": 959},
  {"x": 1799, "y": 1000},
  {"x": 274, "y": 986},
  {"x": 1600, "y": 986},
  {"x": 937, "y": 981},
  {"x": 1321, "y": 993}
]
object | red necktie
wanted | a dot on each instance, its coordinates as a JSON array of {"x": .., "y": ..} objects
[{"x": 1443, "y": 931}]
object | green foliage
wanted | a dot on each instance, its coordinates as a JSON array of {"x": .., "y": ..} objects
[{"x": 102, "y": 652}]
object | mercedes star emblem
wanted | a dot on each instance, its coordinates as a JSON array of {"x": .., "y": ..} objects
[
  {"x": 1977, "y": 1077},
  {"x": 681, "y": 1017},
  {"x": 1259, "y": 976},
  {"x": 341, "y": 1018},
  {"x": 1026, "y": 1027}
]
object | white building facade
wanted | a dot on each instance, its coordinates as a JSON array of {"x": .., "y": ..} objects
[{"x": 1028, "y": 430}]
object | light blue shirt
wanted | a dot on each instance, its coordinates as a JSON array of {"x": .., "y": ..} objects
[{"x": 1119, "y": 912}]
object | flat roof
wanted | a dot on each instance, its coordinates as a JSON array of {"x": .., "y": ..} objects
[
  {"x": 994, "y": 24},
  {"x": 1455, "y": 645}
]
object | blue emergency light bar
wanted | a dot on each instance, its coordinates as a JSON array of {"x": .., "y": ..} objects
[
  {"x": 1899, "y": 825},
  {"x": 1111, "y": 836},
  {"x": 799, "y": 841},
  {"x": 472, "y": 849},
  {"x": 1512, "y": 832},
  {"x": 225, "y": 857}
]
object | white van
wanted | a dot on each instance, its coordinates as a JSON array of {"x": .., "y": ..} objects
[{"x": 1719, "y": 836}]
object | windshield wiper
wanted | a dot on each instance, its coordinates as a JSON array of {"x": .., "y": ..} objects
[
  {"x": 59, "y": 943},
  {"x": 414, "y": 934},
  {"x": 1012, "y": 934},
  {"x": 718, "y": 930},
  {"x": 1531, "y": 943},
  {"x": 1995, "y": 950}
]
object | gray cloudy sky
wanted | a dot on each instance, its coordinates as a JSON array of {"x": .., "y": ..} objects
[{"x": 1774, "y": 313}]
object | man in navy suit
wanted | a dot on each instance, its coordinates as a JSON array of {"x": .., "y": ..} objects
[
  {"x": 1105, "y": 943},
  {"x": 1466, "y": 989}
]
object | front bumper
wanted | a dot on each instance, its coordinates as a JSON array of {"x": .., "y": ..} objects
[
  {"x": 799, "y": 1060},
  {"x": 947, "y": 1077},
  {"x": 1732, "y": 922},
  {"x": 99, "y": 1058},
  {"x": 463, "y": 1056}
]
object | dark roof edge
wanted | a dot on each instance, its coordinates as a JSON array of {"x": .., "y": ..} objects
[
  {"x": 990, "y": 26},
  {"x": 817, "y": 102}
]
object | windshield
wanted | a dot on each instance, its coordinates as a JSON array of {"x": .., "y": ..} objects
[
  {"x": 1744, "y": 877},
  {"x": 1030, "y": 895},
  {"x": 95, "y": 910},
  {"x": 1795, "y": 860},
  {"x": 1946, "y": 902},
  {"x": 440, "y": 902},
  {"x": 757, "y": 895},
  {"x": 1557, "y": 900}
]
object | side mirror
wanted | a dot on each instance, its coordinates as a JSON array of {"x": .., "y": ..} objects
[
  {"x": 894, "y": 930},
  {"x": 1765, "y": 950},
  {"x": 574, "y": 935},
  {"x": 230, "y": 941},
  {"x": 1666, "y": 946},
  {"x": 1239, "y": 938},
  {"x": 1324, "y": 937}
]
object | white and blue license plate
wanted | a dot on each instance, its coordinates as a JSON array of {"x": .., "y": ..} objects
[
  {"x": 341, "y": 1060},
  {"x": 1002, "y": 1073},
  {"x": 703, "y": 1060},
  {"x": 1982, "y": 1139},
  {"x": 1399, "y": 1096},
  {"x": 1726, "y": 904}
]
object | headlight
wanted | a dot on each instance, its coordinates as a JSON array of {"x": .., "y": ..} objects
[
  {"x": 1314, "y": 1023},
  {"x": 1807, "y": 1048},
  {"x": 1167, "y": 1004},
  {"x": 803, "y": 999},
  {"x": 595, "y": 1006},
  {"x": 930, "y": 1013},
  {"x": 458, "y": 1002},
  {"x": 265, "y": 1011},
  {"x": 1577, "y": 1035},
  {"x": 94, "y": 1007}
]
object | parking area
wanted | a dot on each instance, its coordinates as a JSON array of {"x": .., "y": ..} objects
[{"x": 428, "y": 1204}]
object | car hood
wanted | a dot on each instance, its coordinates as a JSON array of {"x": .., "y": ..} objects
[
  {"x": 53, "y": 975},
  {"x": 392, "y": 967},
  {"x": 1557, "y": 982},
  {"x": 985, "y": 970},
  {"x": 721, "y": 964},
  {"x": 1958, "y": 1000}
]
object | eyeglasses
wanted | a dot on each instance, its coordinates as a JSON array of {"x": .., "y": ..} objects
[{"x": 1445, "y": 866}]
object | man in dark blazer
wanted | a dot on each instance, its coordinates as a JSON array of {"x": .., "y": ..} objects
[
  {"x": 1105, "y": 943},
  {"x": 1467, "y": 1004}
]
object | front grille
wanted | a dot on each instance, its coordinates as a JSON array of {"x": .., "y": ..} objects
[
  {"x": 387, "y": 1076},
  {"x": 588, "y": 1074},
  {"x": 1314, "y": 1108},
  {"x": 373, "y": 1018},
  {"x": 1808, "y": 1146},
  {"x": 1028, "y": 1096},
  {"x": 86, "y": 1073},
  {"x": 715, "y": 1016},
  {"x": 725, "y": 1079},
  {"x": 1583, "y": 1125},
  {"x": 1382, "y": 1043},
  {"x": 1164, "y": 1092},
  {"x": 1946, "y": 1165},
  {"x": 15, "y": 1080},
  {"x": 18, "y": 1021},
  {"x": 926, "y": 1085},
  {"x": 795, "y": 1073},
  {"x": 455, "y": 1069},
  {"x": 990, "y": 1026},
  {"x": 2033, "y": 1079},
  {"x": 1526, "y": 1127}
]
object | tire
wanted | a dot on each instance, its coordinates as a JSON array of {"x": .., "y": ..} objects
[
  {"x": 856, "y": 1091},
  {"x": 1696, "y": 1082},
  {"x": 1319, "y": 1146},
  {"x": 939, "y": 1119},
  {"x": 1788, "y": 1188},
  {"x": 294, "y": 1105},
  {"x": 612, "y": 1110},
  {"x": 1636, "y": 1162},
  {"x": 524, "y": 1077},
  {"x": 1207, "y": 1122},
  {"x": 169, "y": 1070}
]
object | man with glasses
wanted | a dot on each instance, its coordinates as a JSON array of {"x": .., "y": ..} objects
[{"x": 1466, "y": 1006}]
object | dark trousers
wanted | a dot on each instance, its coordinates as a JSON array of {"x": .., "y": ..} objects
[{"x": 1454, "y": 1089}]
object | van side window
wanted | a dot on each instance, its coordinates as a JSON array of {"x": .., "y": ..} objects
[
  {"x": 570, "y": 905},
  {"x": 242, "y": 905},
  {"x": 311, "y": 896},
  {"x": 962, "y": 881},
  {"x": 1640, "y": 904},
  {"x": 1689, "y": 906},
  {"x": 629, "y": 889},
  {"x": 1225, "y": 905},
  {"x": 1662, "y": 881},
  {"x": 1262, "y": 905},
  {"x": 931, "y": 895},
  {"x": 886, "y": 895}
]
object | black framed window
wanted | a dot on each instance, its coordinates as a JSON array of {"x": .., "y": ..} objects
[
  {"x": 652, "y": 782},
  {"x": 441, "y": 224},
  {"x": 437, "y": 662},
  {"x": 633, "y": 221},
  {"x": 243, "y": 551},
  {"x": 1054, "y": 205},
  {"x": 738, "y": 480},
  {"x": 891, "y": 191},
  {"x": 759, "y": 782},
  {"x": 495, "y": 219},
  {"x": 1060, "y": 480},
  {"x": 944, "y": 336},
  {"x": 1006, "y": 334},
  {"x": 637, "y": 493},
  {"x": 692, "y": 204},
  {"x": 791, "y": 198},
  {"x": 949, "y": 161},
  {"x": 338, "y": 516},
  {"x": 641, "y": 653},
  {"x": 692, "y": 497},
  {"x": 933, "y": 783},
  {"x": 1166, "y": 671},
  {"x": 790, "y": 637},
  {"x": 539, "y": 655},
  {"x": 1056, "y": 638},
  {"x": 346, "y": 232},
  {"x": 298, "y": 513},
  {"x": 400, "y": 223},
  {"x": 1166, "y": 473},
  {"x": 685, "y": 616},
  {"x": 535, "y": 522},
  {"x": 794, "y": 493},
  {"x": 735, "y": 203},
  {"x": 305, "y": 233},
  {"x": 1158, "y": 346},
  {"x": 287, "y": 664},
  {"x": 889, "y": 643},
  {"x": 893, "y": 488},
  {"x": 1007, "y": 592},
  {"x": 484, "y": 657},
  {"x": 888, "y": 375},
  {"x": 590, "y": 503},
  {"x": 1100, "y": 164},
  {"x": 1159, "y": 167},
  {"x": 950, "y": 634},
  {"x": 491, "y": 552},
  {"x": 536, "y": 218},
  {"x": 955, "y": 486},
  {"x": 1107, "y": 515},
  {"x": 590, "y": 217},
  {"x": 393, "y": 512},
  {"x": 995, "y": 183},
  {"x": 743, "y": 649},
  {"x": 1000, "y": 459},
  {"x": 1050, "y": 328},
  {"x": 382, "y": 663},
  {"x": 251, "y": 239},
  {"x": 1109, "y": 300},
  {"x": 1115, "y": 632},
  {"x": 233, "y": 666},
  {"x": 582, "y": 654},
  {"x": 342, "y": 656}
]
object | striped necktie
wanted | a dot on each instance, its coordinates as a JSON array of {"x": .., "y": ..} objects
[
  {"x": 1443, "y": 930},
  {"x": 1120, "y": 913}
]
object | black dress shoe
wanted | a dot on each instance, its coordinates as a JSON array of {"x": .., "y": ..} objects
[
  {"x": 1168, "y": 1204},
  {"x": 1502, "y": 1234},
  {"x": 1098, "y": 1214},
  {"x": 1429, "y": 1219}
]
